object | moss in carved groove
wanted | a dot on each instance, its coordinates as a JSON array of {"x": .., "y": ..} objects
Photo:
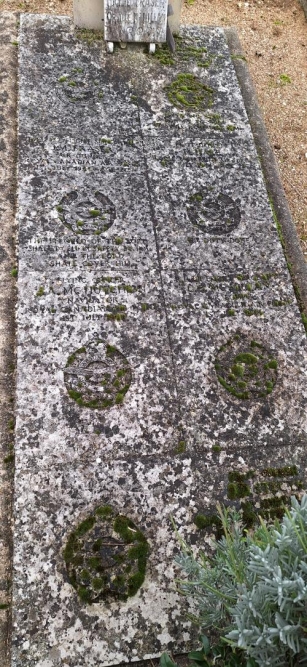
[
  {"x": 245, "y": 368},
  {"x": 181, "y": 447},
  {"x": 188, "y": 92},
  {"x": 106, "y": 556},
  {"x": 286, "y": 471},
  {"x": 187, "y": 51},
  {"x": 98, "y": 375},
  {"x": 249, "y": 483}
]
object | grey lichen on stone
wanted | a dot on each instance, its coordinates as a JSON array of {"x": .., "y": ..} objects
[
  {"x": 246, "y": 368},
  {"x": 214, "y": 215},
  {"x": 106, "y": 556},
  {"x": 97, "y": 376},
  {"x": 86, "y": 213}
]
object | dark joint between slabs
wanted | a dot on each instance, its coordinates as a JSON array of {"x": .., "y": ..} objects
[
  {"x": 154, "y": 223},
  {"x": 289, "y": 237}
]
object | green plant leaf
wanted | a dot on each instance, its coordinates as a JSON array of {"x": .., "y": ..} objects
[
  {"x": 205, "y": 643},
  {"x": 166, "y": 661},
  {"x": 197, "y": 656}
]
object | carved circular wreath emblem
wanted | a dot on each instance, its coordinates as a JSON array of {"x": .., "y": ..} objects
[
  {"x": 106, "y": 556},
  {"x": 246, "y": 368},
  {"x": 79, "y": 85},
  {"x": 86, "y": 214},
  {"x": 97, "y": 376},
  {"x": 214, "y": 215}
]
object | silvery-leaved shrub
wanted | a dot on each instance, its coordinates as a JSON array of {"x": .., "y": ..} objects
[{"x": 253, "y": 590}]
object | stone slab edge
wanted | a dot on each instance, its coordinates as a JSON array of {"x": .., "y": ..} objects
[
  {"x": 8, "y": 122},
  {"x": 293, "y": 252}
]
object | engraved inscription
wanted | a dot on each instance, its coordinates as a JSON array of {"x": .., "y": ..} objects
[
  {"x": 262, "y": 493},
  {"x": 246, "y": 292},
  {"x": 109, "y": 253},
  {"x": 109, "y": 298},
  {"x": 135, "y": 20}
]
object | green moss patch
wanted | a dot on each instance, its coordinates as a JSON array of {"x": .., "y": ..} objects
[
  {"x": 285, "y": 471},
  {"x": 106, "y": 556},
  {"x": 238, "y": 484},
  {"x": 256, "y": 494},
  {"x": 117, "y": 313},
  {"x": 188, "y": 92},
  {"x": 89, "y": 36},
  {"x": 97, "y": 376},
  {"x": 210, "y": 522},
  {"x": 187, "y": 51},
  {"x": 181, "y": 447},
  {"x": 245, "y": 368}
]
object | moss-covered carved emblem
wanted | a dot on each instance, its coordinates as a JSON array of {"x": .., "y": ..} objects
[
  {"x": 246, "y": 368},
  {"x": 86, "y": 213},
  {"x": 219, "y": 215},
  {"x": 188, "y": 92},
  {"x": 97, "y": 376},
  {"x": 79, "y": 85},
  {"x": 106, "y": 556}
]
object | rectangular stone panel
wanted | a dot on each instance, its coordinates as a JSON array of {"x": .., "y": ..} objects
[
  {"x": 197, "y": 92},
  {"x": 60, "y": 630},
  {"x": 212, "y": 342},
  {"x": 229, "y": 296}
]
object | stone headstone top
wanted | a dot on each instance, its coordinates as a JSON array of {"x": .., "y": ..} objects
[{"x": 135, "y": 20}]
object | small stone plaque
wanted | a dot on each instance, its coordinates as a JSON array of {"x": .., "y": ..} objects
[{"x": 135, "y": 20}]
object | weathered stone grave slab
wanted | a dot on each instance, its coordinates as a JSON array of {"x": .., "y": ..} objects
[{"x": 161, "y": 356}]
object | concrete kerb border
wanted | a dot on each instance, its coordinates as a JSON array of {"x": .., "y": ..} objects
[
  {"x": 8, "y": 183},
  {"x": 304, "y": 5},
  {"x": 289, "y": 237}
]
